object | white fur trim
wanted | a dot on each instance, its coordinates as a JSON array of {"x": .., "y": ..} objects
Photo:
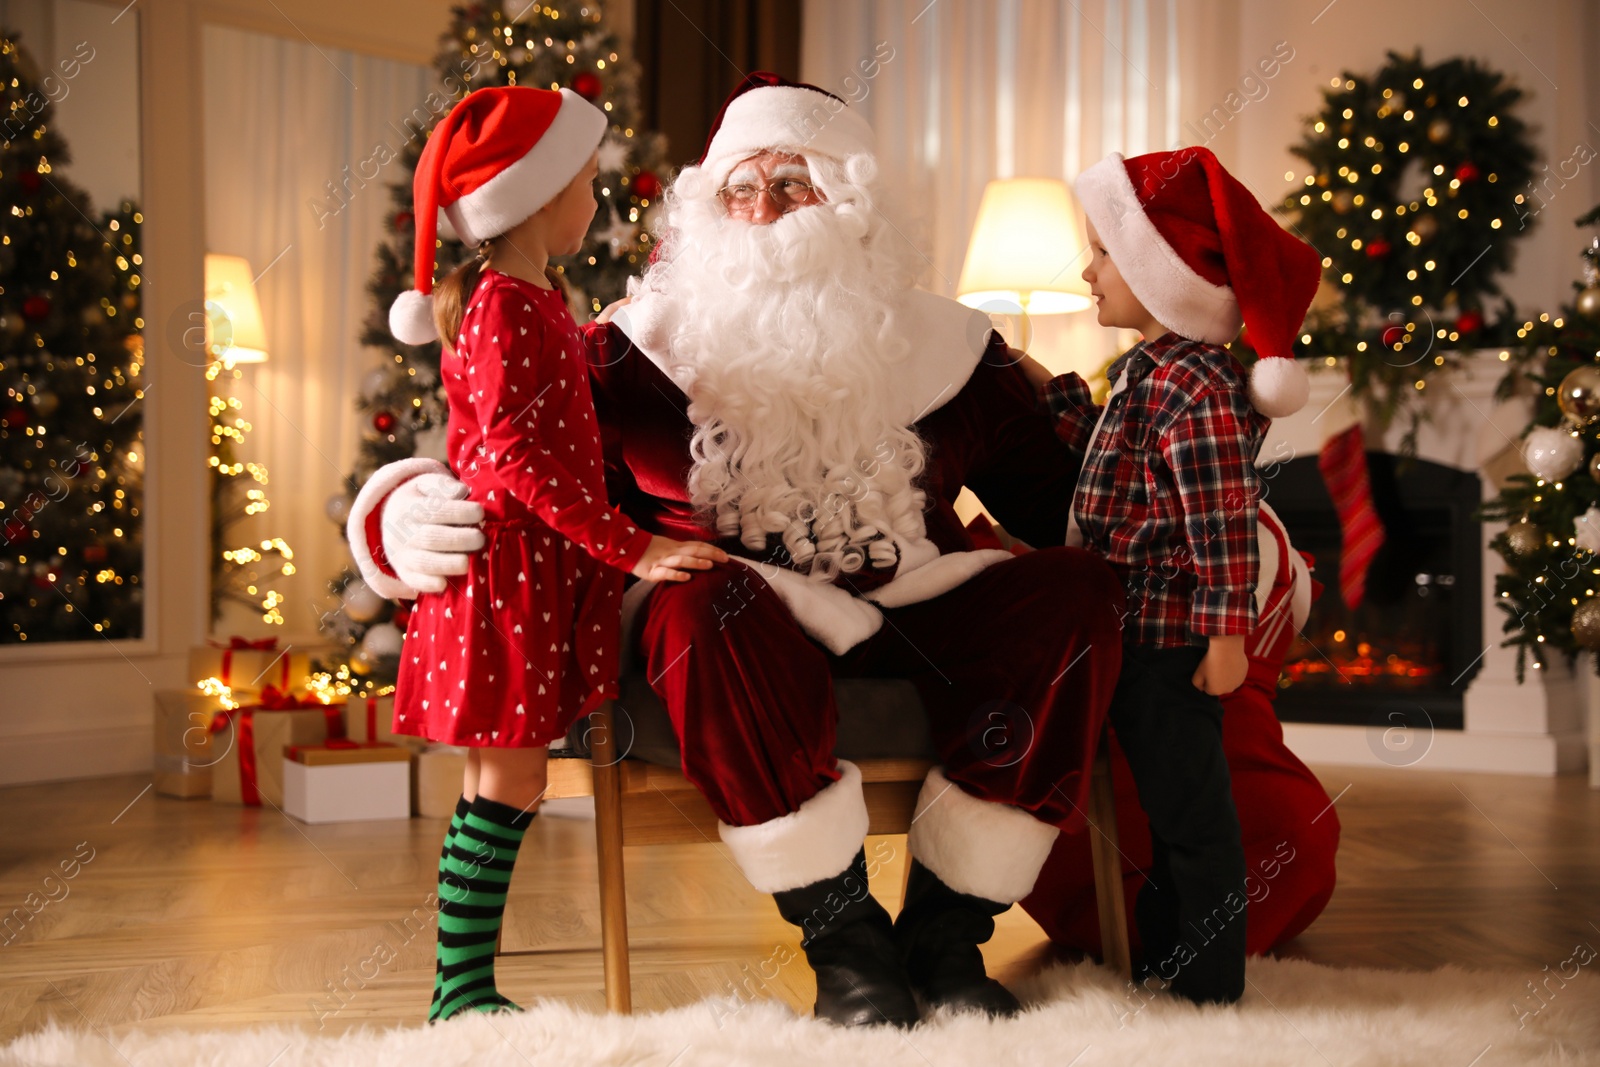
[
  {"x": 788, "y": 118},
  {"x": 833, "y": 617},
  {"x": 384, "y": 480},
  {"x": 1279, "y": 386},
  {"x": 411, "y": 318},
  {"x": 1271, "y": 560},
  {"x": 1168, "y": 287},
  {"x": 947, "y": 341},
  {"x": 818, "y": 841},
  {"x": 534, "y": 180},
  {"x": 989, "y": 850},
  {"x": 1271, "y": 529},
  {"x": 935, "y": 577},
  {"x": 1300, "y": 606}
]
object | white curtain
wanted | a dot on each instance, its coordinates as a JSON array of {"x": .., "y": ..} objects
[
  {"x": 283, "y": 118},
  {"x": 982, "y": 89}
]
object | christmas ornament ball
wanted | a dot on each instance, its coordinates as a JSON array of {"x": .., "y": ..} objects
[
  {"x": 1579, "y": 394},
  {"x": 384, "y": 422},
  {"x": 1589, "y": 302},
  {"x": 1426, "y": 227},
  {"x": 45, "y": 403},
  {"x": 587, "y": 84},
  {"x": 646, "y": 185},
  {"x": 1586, "y": 624},
  {"x": 1594, "y": 466},
  {"x": 1524, "y": 538},
  {"x": 381, "y": 641},
  {"x": 361, "y": 602},
  {"x": 1439, "y": 131},
  {"x": 1552, "y": 453},
  {"x": 361, "y": 663}
]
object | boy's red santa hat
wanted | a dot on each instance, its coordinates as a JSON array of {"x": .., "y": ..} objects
[
  {"x": 768, "y": 112},
  {"x": 501, "y": 154},
  {"x": 1202, "y": 257}
]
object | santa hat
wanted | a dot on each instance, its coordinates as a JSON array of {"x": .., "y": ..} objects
[
  {"x": 501, "y": 154},
  {"x": 768, "y": 112},
  {"x": 1202, "y": 257}
]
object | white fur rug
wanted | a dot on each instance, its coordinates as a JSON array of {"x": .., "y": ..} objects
[{"x": 1079, "y": 1016}]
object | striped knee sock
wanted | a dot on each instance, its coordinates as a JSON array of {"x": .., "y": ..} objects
[
  {"x": 472, "y": 900},
  {"x": 462, "y": 806}
]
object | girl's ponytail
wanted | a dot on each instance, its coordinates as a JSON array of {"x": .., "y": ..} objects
[{"x": 450, "y": 295}]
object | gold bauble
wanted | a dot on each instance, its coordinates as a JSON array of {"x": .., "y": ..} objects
[
  {"x": 1524, "y": 538},
  {"x": 1589, "y": 302},
  {"x": 1425, "y": 227},
  {"x": 1343, "y": 201},
  {"x": 1439, "y": 131},
  {"x": 1586, "y": 624},
  {"x": 1579, "y": 394},
  {"x": 1594, "y": 466}
]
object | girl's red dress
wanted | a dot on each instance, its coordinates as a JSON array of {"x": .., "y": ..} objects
[{"x": 525, "y": 642}]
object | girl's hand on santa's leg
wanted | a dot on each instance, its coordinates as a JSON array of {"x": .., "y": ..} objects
[{"x": 667, "y": 560}]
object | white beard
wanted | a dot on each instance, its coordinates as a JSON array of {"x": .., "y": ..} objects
[{"x": 782, "y": 337}]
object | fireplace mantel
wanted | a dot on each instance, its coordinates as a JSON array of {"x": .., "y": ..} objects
[{"x": 1530, "y": 728}]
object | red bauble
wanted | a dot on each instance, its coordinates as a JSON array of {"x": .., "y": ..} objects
[
  {"x": 14, "y": 417},
  {"x": 646, "y": 185},
  {"x": 1467, "y": 172},
  {"x": 1377, "y": 249},
  {"x": 1469, "y": 321},
  {"x": 94, "y": 553},
  {"x": 384, "y": 421},
  {"x": 588, "y": 85},
  {"x": 29, "y": 180},
  {"x": 36, "y": 307},
  {"x": 1393, "y": 335},
  {"x": 402, "y": 219},
  {"x": 401, "y": 617}
]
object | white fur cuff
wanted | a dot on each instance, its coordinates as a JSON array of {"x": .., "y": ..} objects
[
  {"x": 988, "y": 850},
  {"x": 384, "y": 480},
  {"x": 818, "y": 841}
]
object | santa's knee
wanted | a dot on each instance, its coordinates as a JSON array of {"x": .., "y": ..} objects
[{"x": 723, "y": 605}]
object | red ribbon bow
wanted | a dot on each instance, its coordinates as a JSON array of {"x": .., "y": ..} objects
[{"x": 272, "y": 699}]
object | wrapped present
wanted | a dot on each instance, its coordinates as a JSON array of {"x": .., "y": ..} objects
[
  {"x": 440, "y": 771},
  {"x": 372, "y": 719},
  {"x": 182, "y": 742},
  {"x": 346, "y": 781},
  {"x": 248, "y": 666},
  {"x": 249, "y": 743}
]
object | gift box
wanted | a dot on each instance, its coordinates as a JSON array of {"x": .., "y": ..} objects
[
  {"x": 182, "y": 742},
  {"x": 346, "y": 781},
  {"x": 440, "y": 771},
  {"x": 369, "y": 719},
  {"x": 247, "y": 667},
  {"x": 249, "y": 743}
]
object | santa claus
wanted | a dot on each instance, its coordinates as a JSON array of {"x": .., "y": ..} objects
[{"x": 777, "y": 384}]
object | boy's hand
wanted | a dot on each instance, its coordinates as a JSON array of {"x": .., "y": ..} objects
[
  {"x": 1225, "y": 665},
  {"x": 667, "y": 560}
]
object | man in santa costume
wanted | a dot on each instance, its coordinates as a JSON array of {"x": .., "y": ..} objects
[{"x": 778, "y": 384}]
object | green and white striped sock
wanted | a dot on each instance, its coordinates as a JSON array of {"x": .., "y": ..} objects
[
  {"x": 462, "y": 806},
  {"x": 472, "y": 901}
]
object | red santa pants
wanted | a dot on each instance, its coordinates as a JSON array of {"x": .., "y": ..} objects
[{"x": 1015, "y": 667}]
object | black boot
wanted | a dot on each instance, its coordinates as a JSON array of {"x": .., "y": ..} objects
[
  {"x": 849, "y": 942},
  {"x": 938, "y": 934}
]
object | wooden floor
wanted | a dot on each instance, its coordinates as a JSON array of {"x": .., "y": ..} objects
[{"x": 190, "y": 914}]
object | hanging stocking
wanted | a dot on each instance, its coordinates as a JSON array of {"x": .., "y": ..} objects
[{"x": 1343, "y": 463}]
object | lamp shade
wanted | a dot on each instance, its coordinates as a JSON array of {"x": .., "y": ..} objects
[
  {"x": 234, "y": 332},
  {"x": 1026, "y": 248}
]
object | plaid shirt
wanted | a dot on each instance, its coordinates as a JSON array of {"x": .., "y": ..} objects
[{"x": 1168, "y": 494}]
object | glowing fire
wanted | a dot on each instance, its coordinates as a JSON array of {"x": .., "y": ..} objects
[{"x": 1337, "y": 658}]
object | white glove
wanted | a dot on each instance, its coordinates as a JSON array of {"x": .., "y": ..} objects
[{"x": 430, "y": 529}]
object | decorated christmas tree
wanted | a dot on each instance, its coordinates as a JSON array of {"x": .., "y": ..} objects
[
  {"x": 71, "y": 360},
  {"x": 554, "y": 44},
  {"x": 1550, "y": 589}
]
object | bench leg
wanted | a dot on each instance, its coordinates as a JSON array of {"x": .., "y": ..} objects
[
  {"x": 1108, "y": 892},
  {"x": 608, "y": 841}
]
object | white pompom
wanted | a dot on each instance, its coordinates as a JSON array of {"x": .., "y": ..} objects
[
  {"x": 1552, "y": 453},
  {"x": 411, "y": 318},
  {"x": 1586, "y": 530},
  {"x": 1279, "y": 386}
]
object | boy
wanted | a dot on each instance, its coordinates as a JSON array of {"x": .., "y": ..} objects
[{"x": 1181, "y": 252}]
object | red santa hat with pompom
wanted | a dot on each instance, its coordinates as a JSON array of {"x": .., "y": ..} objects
[
  {"x": 501, "y": 154},
  {"x": 766, "y": 111},
  {"x": 1203, "y": 257}
]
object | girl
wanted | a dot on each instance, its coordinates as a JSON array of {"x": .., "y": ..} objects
[{"x": 510, "y": 653}]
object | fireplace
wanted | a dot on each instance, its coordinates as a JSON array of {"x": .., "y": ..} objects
[{"x": 1406, "y": 655}]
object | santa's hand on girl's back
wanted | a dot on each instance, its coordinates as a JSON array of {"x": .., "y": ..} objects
[{"x": 667, "y": 560}]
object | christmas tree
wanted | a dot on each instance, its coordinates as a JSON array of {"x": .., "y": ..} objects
[
  {"x": 555, "y": 44},
  {"x": 1550, "y": 589},
  {"x": 71, "y": 361}
]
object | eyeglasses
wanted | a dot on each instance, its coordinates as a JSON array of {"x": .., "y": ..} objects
[{"x": 786, "y": 193}]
